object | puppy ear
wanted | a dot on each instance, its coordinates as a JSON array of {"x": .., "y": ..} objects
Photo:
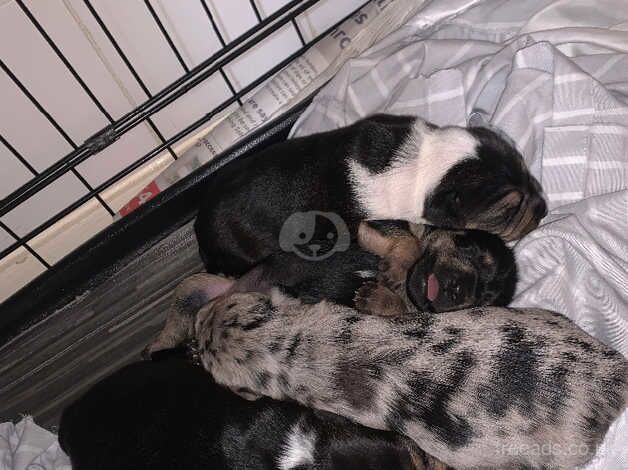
[
  {"x": 511, "y": 200},
  {"x": 217, "y": 286}
]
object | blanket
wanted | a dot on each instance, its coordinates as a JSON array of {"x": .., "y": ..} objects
[
  {"x": 552, "y": 75},
  {"x": 27, "y": 446}
]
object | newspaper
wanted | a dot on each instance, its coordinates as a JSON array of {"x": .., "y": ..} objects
[{"x": 288, "y": 87}]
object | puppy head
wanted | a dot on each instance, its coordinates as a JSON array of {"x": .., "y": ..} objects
[
  {"x": 491, "y": 190},
  {"x": 461, "y": 269}
]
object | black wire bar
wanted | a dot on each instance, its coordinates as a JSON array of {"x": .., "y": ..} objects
[
  {"x": 155, "y": 103},
  {"x": 181, "y": 134}
]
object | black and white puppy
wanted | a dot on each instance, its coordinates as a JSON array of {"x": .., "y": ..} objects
[
  {"x": 382, "y": 167},
  {"x": 171, "y": 415}
]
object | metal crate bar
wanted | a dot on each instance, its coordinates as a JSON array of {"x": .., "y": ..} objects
[
  {"x": 161, "y": 99},
  {"x": 23, "y": 241}
]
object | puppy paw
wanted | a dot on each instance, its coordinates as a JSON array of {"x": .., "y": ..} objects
[
  {"x": 146, "y": 353},
  {"x": 392, "y": 274},
  {"x": 157, "y": 352},
  {"x": 153, "y": 351},
  {"x": 377, "y": 299},
  {"x": 362, "y": 297},
  {"x": 153, "y": 348}
]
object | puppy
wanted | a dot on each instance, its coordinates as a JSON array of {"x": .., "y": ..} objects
[
  {"x": 171, "y": 414},
  {"x": 382, "y": 167},
  {"x": 488, "y": 387},
  {"x": 432, "y": 269},
  {"x": 445, "y": 269},
  {"x": 475, "y": 269}
]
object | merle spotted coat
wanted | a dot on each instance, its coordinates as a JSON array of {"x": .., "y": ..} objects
[{"x": 486, "y": 387}]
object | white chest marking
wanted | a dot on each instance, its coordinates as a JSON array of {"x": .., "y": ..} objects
[
  {"x": 299, "y": 448},
  {"x": 418, "y": 167}
]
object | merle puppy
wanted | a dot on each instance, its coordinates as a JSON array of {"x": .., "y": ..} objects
[
  {"x": 480, "y": 388},
  {"x": 171, "y": 415},
  {"x": 382, "y": 167}
]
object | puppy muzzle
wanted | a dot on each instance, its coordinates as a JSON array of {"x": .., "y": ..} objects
[{"x": 531, "y": 211}]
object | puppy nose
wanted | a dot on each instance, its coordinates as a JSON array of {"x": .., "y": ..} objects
[
  {"x": 315, "y": 247},
  {"x": 540, "y": 208}
]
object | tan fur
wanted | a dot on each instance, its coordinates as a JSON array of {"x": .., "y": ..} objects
[
  {"x": 423, "y": 461},
  {"x": 377, "y": 298}
]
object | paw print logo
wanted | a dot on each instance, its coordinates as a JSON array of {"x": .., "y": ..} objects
[{"x": 314, "y": 235}]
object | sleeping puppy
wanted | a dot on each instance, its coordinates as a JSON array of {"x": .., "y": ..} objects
[
  {"x": 434, "y": 270},
  {"x": 488, "y": 387},
  {"x": 382, "y": 167},
  {"x": 172, "y": 415},
  {"x": 447, "y": 270}
]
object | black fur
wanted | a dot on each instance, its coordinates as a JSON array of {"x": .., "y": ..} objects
[
  {"x": 480, "y": 263},
  {"x": 479, "y": 269},
  {"x": 248, "y": 200},
  {"x": 335, "y": 278},
  {"x": 171, "y": 415}
]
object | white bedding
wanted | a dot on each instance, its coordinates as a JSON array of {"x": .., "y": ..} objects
[
  {"x": 551, "y": 74},
  {"x": 554, "y": 76},
  {"x": 27, "y": 446}
]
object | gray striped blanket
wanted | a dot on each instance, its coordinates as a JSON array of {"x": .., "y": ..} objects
[{"x": 553, "y": 75}]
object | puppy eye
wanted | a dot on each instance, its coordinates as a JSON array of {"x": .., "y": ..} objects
[
  {"x": 330, "y": 235},
  {"x": 302, "y": 236},
  {"x": 453, "y": 201},
  {"x": 463, "y": 242}
]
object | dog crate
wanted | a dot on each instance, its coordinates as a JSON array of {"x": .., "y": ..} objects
[{"x": 97, "y": 284}]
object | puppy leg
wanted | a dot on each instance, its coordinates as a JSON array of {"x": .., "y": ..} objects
[
  {"x": 398, "y": 245},
  {"x": 423, "y": 461},
  {"x": 189, "y": 296},
  {"x": 377, "y": 299}
]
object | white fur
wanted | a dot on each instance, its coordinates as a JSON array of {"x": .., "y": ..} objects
[
  {"x": 418, "y": 167},
  {"x": 299, "y": 448},
  {"x": 279, "y": 299},
  {"x": 365, "y": 273}
]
